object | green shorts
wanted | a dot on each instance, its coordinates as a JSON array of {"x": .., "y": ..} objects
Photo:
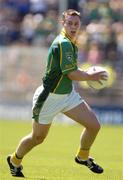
[{"x": 54, "y": 104}]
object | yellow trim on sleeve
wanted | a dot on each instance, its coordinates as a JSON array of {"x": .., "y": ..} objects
[
  {"x": 60, "y": 53},
  {"x": 69, "y": 69}
]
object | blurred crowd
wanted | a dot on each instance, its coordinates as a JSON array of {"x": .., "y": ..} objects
[
  {"x": 35, "y": 22},
  {"x": 27, "y": 21},
  {"x": 101, "y": 36}
]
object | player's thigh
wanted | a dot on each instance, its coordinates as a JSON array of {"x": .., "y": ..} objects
[
  {"x": 84, "y": 115},
  {"x": 40, "y": 130}
]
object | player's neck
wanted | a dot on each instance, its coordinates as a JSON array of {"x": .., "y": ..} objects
[{"x": 64, "y": 33}]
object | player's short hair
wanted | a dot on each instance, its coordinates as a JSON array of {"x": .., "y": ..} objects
[{"x": 71, "y": 12}]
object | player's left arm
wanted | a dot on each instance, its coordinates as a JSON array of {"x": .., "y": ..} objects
[
  {"x": 79, "y": 75},
  {"x": 67, "y": 60}
]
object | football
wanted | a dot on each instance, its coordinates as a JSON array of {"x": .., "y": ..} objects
[{"x": 98, "y": 84}]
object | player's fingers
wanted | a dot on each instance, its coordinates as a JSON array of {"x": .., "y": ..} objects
[{"x": 104, "y": 75}]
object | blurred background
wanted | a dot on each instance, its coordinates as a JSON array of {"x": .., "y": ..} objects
[{"x": 27, "y": 28}]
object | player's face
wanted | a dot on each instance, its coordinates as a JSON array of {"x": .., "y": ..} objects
[{"x": 72, "y": 25}]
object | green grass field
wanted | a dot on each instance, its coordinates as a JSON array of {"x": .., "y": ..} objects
[{"x": 54, "y": 159}]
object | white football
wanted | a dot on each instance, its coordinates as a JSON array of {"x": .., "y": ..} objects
[{"x": 98, "y": 84}]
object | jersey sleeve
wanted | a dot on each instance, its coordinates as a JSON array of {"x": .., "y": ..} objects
[{"x": 68, "y": 58}]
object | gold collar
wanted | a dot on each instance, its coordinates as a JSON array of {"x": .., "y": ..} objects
[{"x": 63, "y": 33}]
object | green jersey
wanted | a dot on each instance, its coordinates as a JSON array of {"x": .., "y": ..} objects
[{"x": 62, "y": 59}]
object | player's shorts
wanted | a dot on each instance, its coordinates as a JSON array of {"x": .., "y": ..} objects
[{"x": 54, "y": 104}]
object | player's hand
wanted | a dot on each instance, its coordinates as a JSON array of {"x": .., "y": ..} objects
[{"x": 97, "y": 76}]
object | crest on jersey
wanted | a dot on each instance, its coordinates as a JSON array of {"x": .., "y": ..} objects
[{"x": 69, "y": 56}]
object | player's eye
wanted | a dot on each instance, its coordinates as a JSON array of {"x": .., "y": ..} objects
[
  {"x": 70, "y": 23},
  {"x": 76, "y": 24}
]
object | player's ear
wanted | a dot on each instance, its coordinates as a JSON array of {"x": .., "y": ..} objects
[{"x": 61, "y": 21}]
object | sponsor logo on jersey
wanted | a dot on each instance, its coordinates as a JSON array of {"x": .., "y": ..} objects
[{"x": 69, "y": 56}]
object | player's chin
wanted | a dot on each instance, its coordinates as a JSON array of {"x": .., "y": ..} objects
[{"x": 73, "y": 33}]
